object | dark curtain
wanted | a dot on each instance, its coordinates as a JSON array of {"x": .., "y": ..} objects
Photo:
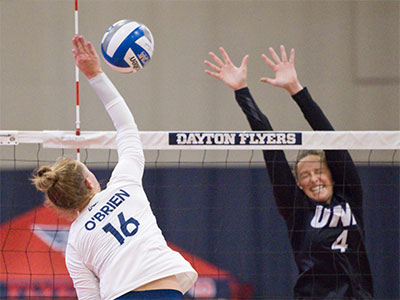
[{"x": 228, "y": 217}]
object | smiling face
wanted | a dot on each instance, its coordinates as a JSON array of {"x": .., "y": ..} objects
[{"x": 315, "y": 178}]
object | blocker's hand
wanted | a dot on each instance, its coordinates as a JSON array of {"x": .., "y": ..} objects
[
  {"x": 86, "y": 58},
  {"x": 285, "y": 72},
  {"x": 227, "y": 72}
]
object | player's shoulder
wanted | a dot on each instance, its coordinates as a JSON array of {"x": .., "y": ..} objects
[
  {"x": 123, "y": 180},
  {"x": 123, "y": 184}
]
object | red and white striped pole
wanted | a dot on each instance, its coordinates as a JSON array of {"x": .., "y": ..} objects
[{"x": 77, "y": 122}]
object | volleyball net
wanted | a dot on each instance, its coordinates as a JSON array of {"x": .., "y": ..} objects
[{"x": 212, "y": 198}]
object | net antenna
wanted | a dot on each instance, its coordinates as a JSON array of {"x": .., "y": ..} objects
[{"x": 77, "y": 121}]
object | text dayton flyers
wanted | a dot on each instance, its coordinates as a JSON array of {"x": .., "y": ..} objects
[{"x": 235, "y": 138}]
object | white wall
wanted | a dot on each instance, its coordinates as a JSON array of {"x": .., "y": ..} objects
[{"x": 347, "y": 53}]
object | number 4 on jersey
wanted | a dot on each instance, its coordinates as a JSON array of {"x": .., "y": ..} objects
[
  {"x": 124, "y": 228},
  {"x": 341, "y": 242}
]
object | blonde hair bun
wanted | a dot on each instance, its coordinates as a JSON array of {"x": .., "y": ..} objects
[{"x": 45, "y": 178}]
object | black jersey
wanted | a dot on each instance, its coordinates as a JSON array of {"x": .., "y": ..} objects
[{"x": 327, "y": 239}]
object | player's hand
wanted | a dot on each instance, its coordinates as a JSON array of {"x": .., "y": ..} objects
[
  {"x": 227, "y": 72},
  {"x": 86, "y": 57},
  {"x": 285, "y": 72}
]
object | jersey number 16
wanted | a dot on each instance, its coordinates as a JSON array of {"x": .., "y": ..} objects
[{"x": 124, "y": 228}]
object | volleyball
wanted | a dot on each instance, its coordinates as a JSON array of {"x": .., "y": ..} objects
[{"x": 127, "y": 46}]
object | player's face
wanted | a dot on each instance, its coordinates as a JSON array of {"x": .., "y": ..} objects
[{"x": 315, "y": 179}]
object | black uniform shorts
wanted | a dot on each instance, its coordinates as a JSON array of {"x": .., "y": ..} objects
[{"x": 153, "y": 294}]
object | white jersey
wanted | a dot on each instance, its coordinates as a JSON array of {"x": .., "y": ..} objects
[{"x": 115, "y": 244}]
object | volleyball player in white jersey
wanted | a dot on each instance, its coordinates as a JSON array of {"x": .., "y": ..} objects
[{"x": 115, "y": 248}]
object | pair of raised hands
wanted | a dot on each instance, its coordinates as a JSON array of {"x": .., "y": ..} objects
[{"x": 236, "y": 77}]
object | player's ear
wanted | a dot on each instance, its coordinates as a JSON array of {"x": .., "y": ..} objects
[
  {"x": 299, "y": 185},
  {"x": 89, "y": 184}
]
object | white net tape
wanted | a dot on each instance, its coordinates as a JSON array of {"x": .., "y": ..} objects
[{"x": 205, "y": 140}]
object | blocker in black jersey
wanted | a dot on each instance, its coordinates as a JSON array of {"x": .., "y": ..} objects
[{"x": 322, "y": 203}]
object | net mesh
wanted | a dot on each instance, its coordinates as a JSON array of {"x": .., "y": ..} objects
[{"x": 214, "y": 205}]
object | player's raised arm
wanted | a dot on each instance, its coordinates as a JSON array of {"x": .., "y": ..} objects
[
  {"x": 130, "y": 153},
  {"x": 278, "y": 168}
]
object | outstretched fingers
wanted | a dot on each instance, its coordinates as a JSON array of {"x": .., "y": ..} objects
[
  {"x": 217, "y": 60},
  {"x": 214, "y": 67},
  {"x": 268, "y": 61},
  {"x": 224, "y": 70},
  {"x": 274, "y": 55},
  {"x": 283, "y": 54},
  {"x": 285, "y": 73},
  {"x": 225, "y": 56},
  {"x": 244, "y": 61},
  {"x": 213, "y": 74},
  {"x": 291, "y": 58},
  {"x": 219, "y": 63}
]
